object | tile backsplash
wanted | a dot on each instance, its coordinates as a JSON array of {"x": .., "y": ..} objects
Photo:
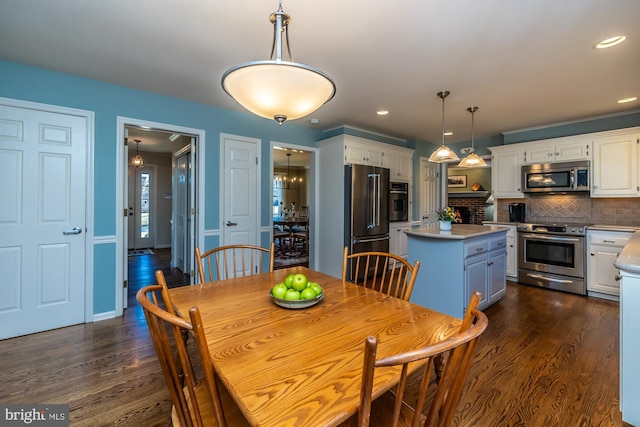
[{"x": 575, "y": 208}]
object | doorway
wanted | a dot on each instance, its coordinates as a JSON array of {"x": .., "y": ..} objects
[
  {"x": 294, "y": 204},
  {"x": 160, "y": 191}
]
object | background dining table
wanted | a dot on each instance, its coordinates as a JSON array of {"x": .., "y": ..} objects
[{"x": 303, "y": 367}]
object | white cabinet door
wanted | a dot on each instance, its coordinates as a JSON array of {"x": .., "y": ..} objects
[
  {"x": 615, "y": 166},
  {"x": 539, "y": 154},
  {"x": 354, "y": 153},
  {"x": 561, "y": 152},
  {"x": 604, "y": 248},
  {"x": 574, "y": 151},
  {"x": 603, "y": 275},
  {"x": 398, "y": 238},
  {"x": 506, "y": 173},
  {"x": 399, "y": 164}
]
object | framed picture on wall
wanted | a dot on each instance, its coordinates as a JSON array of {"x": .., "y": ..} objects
[{"x": 457, "y": 181}]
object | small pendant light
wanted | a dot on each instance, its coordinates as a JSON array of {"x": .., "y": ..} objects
[
  {"x": 443, "y": 153},
  {"x": 137, "y": 161},
  {"x": 472, "y": 160}
]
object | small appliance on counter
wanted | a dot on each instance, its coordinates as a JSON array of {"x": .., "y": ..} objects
[{"x": 517, "y": 212}]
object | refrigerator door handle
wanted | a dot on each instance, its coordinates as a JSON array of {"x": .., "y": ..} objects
[
  {"x": 374, "y": 239},
  {"x": 374, "y": 200},
  {"x": 371, "y": 209}
]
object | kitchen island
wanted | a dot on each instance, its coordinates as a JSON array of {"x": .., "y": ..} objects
[{"x": 456, "y": 263}]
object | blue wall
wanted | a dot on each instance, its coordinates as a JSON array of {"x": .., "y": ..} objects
[{"x": 108, "y": 101}]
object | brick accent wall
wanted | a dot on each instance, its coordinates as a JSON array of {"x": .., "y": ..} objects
[{"x": 475, "y": 204}]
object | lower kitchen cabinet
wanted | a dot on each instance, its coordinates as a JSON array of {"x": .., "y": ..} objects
[
  {"x": 485, "y": 272},
  {"x": 603, "y": 278},
  {"x": 512, "y": 250},
  {"x": 398, "y": 238}
]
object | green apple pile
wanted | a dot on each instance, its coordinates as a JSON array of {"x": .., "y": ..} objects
[{"x": 296, "y": 287}]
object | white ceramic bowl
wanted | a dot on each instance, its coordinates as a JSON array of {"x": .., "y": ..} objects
[{"x": 297, "y": 304}]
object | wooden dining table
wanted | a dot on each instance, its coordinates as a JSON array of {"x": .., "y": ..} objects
[{"x": 303, "y": 367}]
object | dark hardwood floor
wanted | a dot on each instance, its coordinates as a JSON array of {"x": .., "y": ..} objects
[
  {"x": 142, "y": 270},
  {"x": 547, "y": 359}
]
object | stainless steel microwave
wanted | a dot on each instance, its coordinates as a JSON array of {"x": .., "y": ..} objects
[{"x": 556, "y": 177}]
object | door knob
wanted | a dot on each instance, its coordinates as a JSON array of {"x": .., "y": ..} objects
[
  {"x": 74, "y": 230},
  {"x": 230, "y": 224}
]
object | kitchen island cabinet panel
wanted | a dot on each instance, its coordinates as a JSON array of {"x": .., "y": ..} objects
[{"x": 454, "y": 265}]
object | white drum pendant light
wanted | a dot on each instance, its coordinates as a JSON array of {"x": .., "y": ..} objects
[
  {"x": 443, "y": 153},
  {"x": 277, "y": 89},
  {"x": 472, "y": 160}
]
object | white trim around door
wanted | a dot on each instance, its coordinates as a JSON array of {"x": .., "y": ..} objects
[{"x": 121, "y": 177}]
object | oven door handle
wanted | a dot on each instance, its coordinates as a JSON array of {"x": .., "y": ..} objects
[
  {"x": 549, "y": 279},
  {"x": 551, "y": 238}
]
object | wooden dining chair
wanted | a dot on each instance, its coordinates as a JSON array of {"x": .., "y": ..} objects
[
  {"x": 380, "y": 271},
  {"x": 196, "y": 401},
  {"x": 390, "y": 409},
  {"x": 233, "y": 261}
]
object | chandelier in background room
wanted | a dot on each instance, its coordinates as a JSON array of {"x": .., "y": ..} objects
[
  {"x": 472, "y": 160},
  {"x": 137, "y": 161},
  {"x": 443, "y": 153},
  {"x": 277, "y": 89},
  {"x": 287, "y": 182}
]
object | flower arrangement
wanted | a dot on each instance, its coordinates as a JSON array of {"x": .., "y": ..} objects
[{"x": 448, "y": 214}]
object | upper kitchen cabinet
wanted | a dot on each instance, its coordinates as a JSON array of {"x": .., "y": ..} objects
[
  {"x": 557, "y": 152},
  {"x": 615, "y": 165},
  {"x": 361, "y": 152},
  {"x": 400, "y": 163},
  {"x": 506, "y": 166}
]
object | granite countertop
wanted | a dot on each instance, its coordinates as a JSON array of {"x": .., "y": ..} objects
[
  {"x": 458, "y": 231},
  {"x": 605, "y": 227},
  {"x": 499, "y": 223},
  {"x": 629, "y": 259}
]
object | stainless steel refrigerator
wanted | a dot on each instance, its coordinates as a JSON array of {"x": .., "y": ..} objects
[{"x": 366, "y": 208}]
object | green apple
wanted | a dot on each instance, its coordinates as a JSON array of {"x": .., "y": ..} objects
[
  {"x": 292, "y": 295},
  {"x": 308, "y": 293},
  {"x": 316, "y": 288},
  {"x": 289, "y": 280},
  {"x": 299, "y": 282},
  {"x": 279, "y": 290}
]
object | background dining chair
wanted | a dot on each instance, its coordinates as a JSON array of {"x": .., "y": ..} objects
[
  {"x": 457, "y": 351},
  {"x": 300, "y": 232},
  {"x": 196, "y": 402},
  {"x": 233, "y": 261},
  {"x": 380, "y": 271}
]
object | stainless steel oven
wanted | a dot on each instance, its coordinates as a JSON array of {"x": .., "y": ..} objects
[
  {"x": 399, "y": 202},
  {"x": 552, "y": 256}
]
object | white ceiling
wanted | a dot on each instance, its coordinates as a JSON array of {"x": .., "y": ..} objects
[{"x": 524, "y": 63}]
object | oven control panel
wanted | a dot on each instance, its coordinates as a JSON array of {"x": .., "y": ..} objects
[{"x": 569, "y": 229}]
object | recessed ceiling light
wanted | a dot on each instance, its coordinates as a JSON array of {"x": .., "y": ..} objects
[
  {"x": 314, "y": 121},
  {"x": 610, "y": 42},
  {"x": 382, "y": 112},
  {"x": 448, "y": 133},
  {"x": 629, "y": 99}
]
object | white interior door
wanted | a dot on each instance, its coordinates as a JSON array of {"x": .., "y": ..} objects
[
  {"x": 183, "y": 211},
  {"x": 42, "y": 220},
  {"x": 428, "y": 191},
  {"x": 142, "y": 193},
  {"x": 240, "y": 183}
]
